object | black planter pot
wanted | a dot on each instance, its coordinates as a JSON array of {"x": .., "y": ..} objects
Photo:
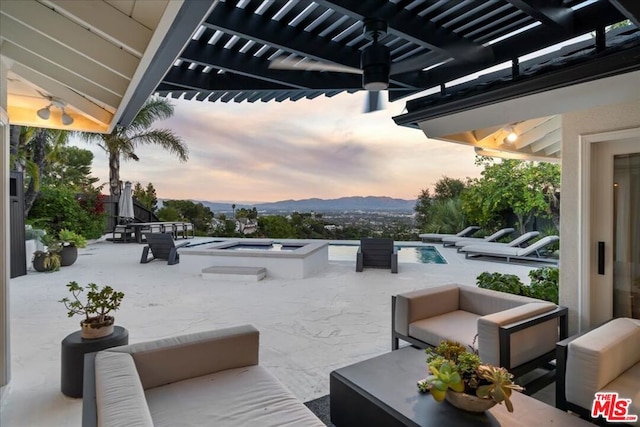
[
  {"x": 38, "y": 262},
  {"x": 68, "y": 256}
]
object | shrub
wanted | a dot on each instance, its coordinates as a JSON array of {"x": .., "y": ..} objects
[
  {"x": 509, "y": 283},
  {"x": 544, "y": 283},
  {"x": 59, "y": 208}
]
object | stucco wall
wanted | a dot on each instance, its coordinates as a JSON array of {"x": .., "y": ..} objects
[{"x": 574, "y": 124}]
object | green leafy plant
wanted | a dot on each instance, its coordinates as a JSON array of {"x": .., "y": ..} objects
[
  {"x": 500, "y": 385},
  {"x": 544, "y": 283},
  {"x": 98, "y": 304},
  {"x": 69, "y": 237},
  {"x": 509, "y": 283},
  {"x": 50, "y": 260},
  {"x": 454, "y": 368}
]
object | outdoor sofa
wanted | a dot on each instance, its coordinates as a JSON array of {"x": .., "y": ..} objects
[
  {"x": 606, "y": 358},
  {"x": 210, "y": 378},
  {"x": 512, "y": 331}
]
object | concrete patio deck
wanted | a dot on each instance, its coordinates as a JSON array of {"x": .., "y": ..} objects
[{"x": 309, "y": 327}]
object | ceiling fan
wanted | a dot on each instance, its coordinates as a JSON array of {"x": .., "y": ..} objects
[{"x": 375, "y": 63}]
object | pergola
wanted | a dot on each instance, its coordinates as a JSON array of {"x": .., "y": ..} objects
[{"x": 102, "y": 59}]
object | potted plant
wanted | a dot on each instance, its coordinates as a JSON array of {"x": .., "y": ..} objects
[
  {"x": 100, "y": 302},
  {"x": 70, "y": 242},
  {"x": 46, "y": 261},
  {"x": 49, "y": 259},
  {"x": 460, "y": 377}
]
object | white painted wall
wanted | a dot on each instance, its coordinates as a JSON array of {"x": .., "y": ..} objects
[
  {"x": 596, "y": 120},
  {"x": 5, "y": 353}
]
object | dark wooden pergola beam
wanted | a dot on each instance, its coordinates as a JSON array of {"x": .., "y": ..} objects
[
  {"x": 551, "y": 14},
  {"x": 630, "y": 9}
]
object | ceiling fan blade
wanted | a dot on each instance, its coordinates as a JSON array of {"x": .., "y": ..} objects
[
  {"x": 284, "y": 63},
  {"x": 374, "y": 102}
]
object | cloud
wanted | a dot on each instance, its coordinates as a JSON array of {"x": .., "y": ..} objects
[{"x": 323, "y": 147}]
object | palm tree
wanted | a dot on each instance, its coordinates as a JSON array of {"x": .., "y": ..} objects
[{"x": 121, "y": 143}]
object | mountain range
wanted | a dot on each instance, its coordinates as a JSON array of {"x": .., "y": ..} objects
[{"x": 342, "y": 204}]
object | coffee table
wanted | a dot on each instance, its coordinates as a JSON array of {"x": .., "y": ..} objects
[{"x": 382, "y": 391}]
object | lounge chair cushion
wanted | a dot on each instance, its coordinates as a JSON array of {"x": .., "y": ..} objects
[
  {"x": 626, "y": 384},
  {"x": 424, "y": 303},
  {"x": 235, "y": 397},
  {"x": 596, "y": 359},
  {"x": 487, "y": 301}
]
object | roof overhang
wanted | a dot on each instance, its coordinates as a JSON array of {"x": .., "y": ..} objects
[{"x": 101, "y": 59}]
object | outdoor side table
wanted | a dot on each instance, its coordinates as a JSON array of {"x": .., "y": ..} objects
[{"x": 75, "y": 347}]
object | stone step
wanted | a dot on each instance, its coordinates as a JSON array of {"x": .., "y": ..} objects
[{"x": 234, "y": 273}]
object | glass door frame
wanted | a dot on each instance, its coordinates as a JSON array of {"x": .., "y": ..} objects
[{"x": 586, "y": 141}]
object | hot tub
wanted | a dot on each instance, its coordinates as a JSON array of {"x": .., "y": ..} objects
[{"x": 287, "y": 261}]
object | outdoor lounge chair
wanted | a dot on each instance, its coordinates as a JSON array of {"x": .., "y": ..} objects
[
  {"x": 161, "y": 246},
  {"x": 450, "y": 241},
  {"x": 377, "y": 253},
  {"x": 515, "y": 243},
  {"x": 437, "y": 237},
  {"x": 532, "y": 252}
]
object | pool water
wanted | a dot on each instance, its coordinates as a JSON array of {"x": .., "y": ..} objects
[{"x": 415, "y": 254}]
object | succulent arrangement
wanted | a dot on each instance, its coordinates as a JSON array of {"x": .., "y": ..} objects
[
  {"x": 454, "y": 369},
  {"x": 96, "y": 309}
]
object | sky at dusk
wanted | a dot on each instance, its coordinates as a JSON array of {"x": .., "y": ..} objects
[{"x": 261, "y": 152}]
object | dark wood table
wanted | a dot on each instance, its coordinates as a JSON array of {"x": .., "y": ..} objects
[
  {"x": 382, "y": 392},
  {"x": 74, "y": 347}
]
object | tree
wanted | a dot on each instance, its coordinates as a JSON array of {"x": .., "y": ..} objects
[
  {"x": 422, "y": 208},
  {"x": 72, "y": 169},
  {"x": 185, "y": 210},
  {"x": 448, "y": 188},
  {"x": 525, "y": 188},
  {"x": 146, "y": 196},
  {"x": 276, "y": 226},
  {"x": 32, "y": 150},
  {"x": 446, "y": 216},
  {"x": 123, "y": 140}
]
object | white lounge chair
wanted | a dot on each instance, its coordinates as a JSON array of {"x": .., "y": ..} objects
[
  {"x": 451, "y": 241},
  {"x": 515, "y": 243},
  {"x": 533, "y": 252},
  {"x": 437, "y": 237}
]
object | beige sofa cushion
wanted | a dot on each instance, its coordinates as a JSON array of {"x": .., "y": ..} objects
[
  {"x": 177, "y": 358},
  {"x": 120, "y": 398},
  {"x": 248, "y": 396},
  {"x": 424, "y": 303},
  {"x": 526, "y": 344},
  {"x": 457, "y": 326},
  {"x": 598, "y": 357},
  {"x": 486, "y": 301},
  {"x": 627, "y": 385}
]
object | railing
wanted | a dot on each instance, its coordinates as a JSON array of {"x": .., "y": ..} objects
[{"x": 140, "y": 213}]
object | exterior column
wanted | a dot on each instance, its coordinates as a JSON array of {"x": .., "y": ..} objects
[{"x": 5, "y": 264}]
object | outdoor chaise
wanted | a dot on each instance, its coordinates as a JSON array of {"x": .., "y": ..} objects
[
  {"x": 161, "y": 246},
  {"x": 533, "y": 252},
  {"x": 450, "y": 241},
  {"x": 377, "y": 253},
  {"x": 437, "y": 237},
  {"x": 515, "y": 243},
  {"x": 605, "y": 359},
  {"x": 210, "y": 378},
  {"x": 513, "y": 331}
]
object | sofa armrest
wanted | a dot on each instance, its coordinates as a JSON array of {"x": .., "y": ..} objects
[
  {"x": 513, "y": 337},
  {"x": 589, "y": 357},
  {"x": 174, "y": 359},
  {"x": 422, "y": 304}
]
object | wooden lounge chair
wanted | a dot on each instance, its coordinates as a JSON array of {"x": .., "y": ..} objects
[
  {"x": 161, "y": 246},
  {"x": 377, "y": 253}
]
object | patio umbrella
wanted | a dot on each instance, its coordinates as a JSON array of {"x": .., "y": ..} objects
[{"x": 125, "y": 204}]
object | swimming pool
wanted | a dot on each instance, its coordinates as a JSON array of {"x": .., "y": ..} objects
[{"x": 415, "y": 254}]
